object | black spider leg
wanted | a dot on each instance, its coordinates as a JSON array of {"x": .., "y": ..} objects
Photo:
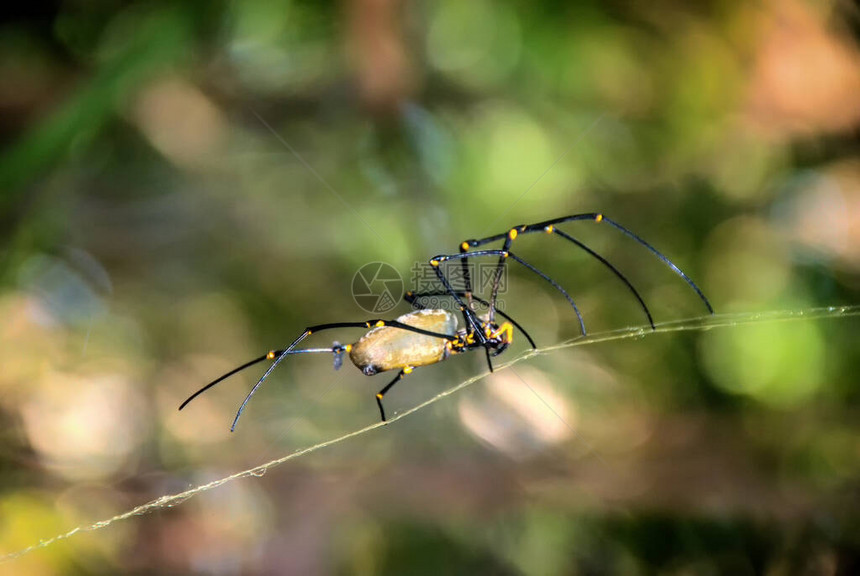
[
  {"x": 411, "y": 298},
  {"x": 665, "y": 260},
  {"x": 464, "y": 249},
  {"x": 467, "y": 278},
  {"x": 489, "y": 357},
  {"x": 376, "y": 323},
  {"x": 598, "y": 218},
  {"x": 339, "y": 349},
  {"x": 614, "y": 270},
  {"x": 550, "y": 229},
  {"x": 381, "y": 393},
  {"x": 509, "y": 254},
  {"x": 280, "y": 355},
  {"x": 474, "y": 326},
  {"x": 497, "y": 278}
]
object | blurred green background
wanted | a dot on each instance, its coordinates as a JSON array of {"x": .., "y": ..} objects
[{"x": 184, "y": 186}]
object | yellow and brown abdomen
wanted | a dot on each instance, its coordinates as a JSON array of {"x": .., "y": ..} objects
[{"x": 389, "y": 348}]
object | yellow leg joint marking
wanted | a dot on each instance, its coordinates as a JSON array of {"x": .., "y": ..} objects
[
  {"x": 549, "y": 229},
  {"x": 512, "y": 234},
  {"x": 270, "y": 355},
  {"x": 348, "y": 348},
  {"x": 310, "y": 332},
  {"x": 379, "y": 396},
  {"x": 408, "y": 370},
  {"x": 434, "y": 263},
  {"x": 598, "y": 218},
  {"x": 464, "y": 246},
  {"x": 380, "y": 324},
  {"x": 505, "y": 254}
]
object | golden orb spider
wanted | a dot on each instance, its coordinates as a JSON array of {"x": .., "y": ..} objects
[{"x": 428, "y": 336}]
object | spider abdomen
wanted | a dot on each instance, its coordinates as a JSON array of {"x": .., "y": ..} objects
[{"x": 389, "y": 348}]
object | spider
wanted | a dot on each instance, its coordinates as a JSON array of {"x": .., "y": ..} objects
[{"x": 428, "y": 336}]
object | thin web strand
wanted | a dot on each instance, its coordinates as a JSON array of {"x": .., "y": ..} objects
[{"x": 700, "y": 324}]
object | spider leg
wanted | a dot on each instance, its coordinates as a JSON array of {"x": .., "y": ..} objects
[
  {"x": 337, "y": 349},
  {"x": 412, "y": 298},
  {"x": 659, "y": 255},
  {"x": 611, "y": 267},
  {"x": 509, "y": 237},
  {"x": 507, "y": 254},
  {"x": 600, "y": 218},
  {"x": 375, "y": 323},
  {"x": 389, "y": 386},
  {"x": 548, "y": 226},
  {"x": 467, "y": 279},
  {"x": 489, "y": 359},
  {"x": 279, "y": 355},
  {"x": 473, "y": 323},
  {"x": 551, "y": 229}
]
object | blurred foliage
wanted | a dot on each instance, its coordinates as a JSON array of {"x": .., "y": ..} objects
[{"x": 185, "y": 185}]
